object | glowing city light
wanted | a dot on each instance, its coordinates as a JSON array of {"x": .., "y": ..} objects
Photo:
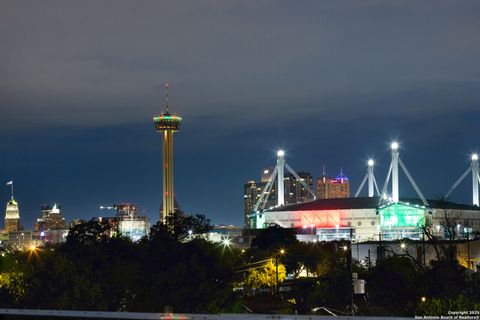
[
  {"x": 226, "y": 242},
  {"x": 370, "y": 162},
  {"x": 394, "y": 145},
  {"x": 403, "y": 245},
  {"x": 280, "y": 153},
  {"x": 474, "y": 157}
]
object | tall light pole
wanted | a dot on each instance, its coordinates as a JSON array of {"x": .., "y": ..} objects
[
  {"x": 370, "y": 178},
  {"x": 475, "y": 178},
  {"x": 395, "y": 189},
  {"x": 280, "y": 178}
]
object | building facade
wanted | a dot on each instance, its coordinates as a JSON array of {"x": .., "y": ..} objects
[
  {"x": 368, "y": 219},
  {"x": 12, "y": 216},
  {"x": 51, "y": 227},
  {"x": 295, "y": 192},
  {"x": 130, "y": 223},
  {"x": 332, "y": 188},
  {"x": 50, "y": 219}
]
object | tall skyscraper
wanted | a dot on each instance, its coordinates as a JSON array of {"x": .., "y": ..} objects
[
  {"x": 251, "y": 194},
  {"x": 332, "y": 188},
  {"x": 295, "y": 191},
  {"x": 12, "y": 216},
  {"x": 50, "y": 219},
  {"x": 167, "y": 124},
  {"x": 267, "y": 172}
]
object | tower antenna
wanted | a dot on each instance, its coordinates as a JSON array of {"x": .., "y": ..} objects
[{"x": 166, "y": 96}]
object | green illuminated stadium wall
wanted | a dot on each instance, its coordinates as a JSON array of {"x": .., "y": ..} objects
[{"x": 401, "y": 215}]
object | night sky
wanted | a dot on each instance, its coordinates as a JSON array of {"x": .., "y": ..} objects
[{"x": 330, "y": 82}]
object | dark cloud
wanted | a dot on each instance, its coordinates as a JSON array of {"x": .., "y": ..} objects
[{"x": 330, "y": 82}]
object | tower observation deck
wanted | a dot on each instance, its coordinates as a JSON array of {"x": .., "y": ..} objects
[{"x": 167, "y": 124}]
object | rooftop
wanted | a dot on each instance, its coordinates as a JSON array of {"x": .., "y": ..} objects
[{"x": 367, "y": 203}]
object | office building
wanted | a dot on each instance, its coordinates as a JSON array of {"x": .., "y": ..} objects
[
  {"x": 51, "y": 226},
  {"x": 333, "y": 188},
  {"x": 12, "y": 216}
]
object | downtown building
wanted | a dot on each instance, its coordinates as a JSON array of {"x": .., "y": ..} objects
[
  {"x": 13, "y": 236},
  {"x": 333, "y": 188},
  {"x": 130, "y": 223},
  {"x": 12, "y": 216},
  {"x": 51, "y": 227},
  {"x": 294, "y": 192}
]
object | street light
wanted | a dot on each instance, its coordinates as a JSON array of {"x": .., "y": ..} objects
[
  {"x": 403, "y": 245},
  {"x": 226, "y": 242}
]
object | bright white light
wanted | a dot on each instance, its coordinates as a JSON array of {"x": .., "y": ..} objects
[
  {"x": 265, "y": 172},
  {"x": 403, "y": 245},
  {"x": 226, "y": 242},
  {"x": 190, "y": 232},
  {"x": 394, "y": 145},
  {"x": 475, "y": 157},
  {"x": 280, "y": 153},
  {"x": 370, "y": 162}
]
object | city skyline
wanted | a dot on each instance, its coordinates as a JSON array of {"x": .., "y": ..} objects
[{"x": 336, "y": 85}]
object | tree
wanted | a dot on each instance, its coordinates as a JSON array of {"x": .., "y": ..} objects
[
  {"x": 442, "y": 306},
  {"x": 444, "y": 249},
  {"x": 177, "y": 227},
  {"x": 266, "y": 275},
  {"x": 404, "y": 284},
  {"x": 88, "y": 233},
  {"x": 273, "y": 238}
]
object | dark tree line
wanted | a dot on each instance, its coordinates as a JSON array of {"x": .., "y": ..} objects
[
  {"x": 92, "y": 271},
  {"x": 172, "y": 269}
]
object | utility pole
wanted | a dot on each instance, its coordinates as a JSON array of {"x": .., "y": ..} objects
[
  {"x": 350, "y": 271},
  {"x": 276, "y": 272},
  {"x": 468, "y": 247},
  {"x": 423, "y": 248}
]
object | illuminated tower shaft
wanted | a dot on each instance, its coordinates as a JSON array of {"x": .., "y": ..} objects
[
  {"x": 167, "y": 124},
  {"x": 167, "y": 152},
  {"x": 475, "y": 178}
]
